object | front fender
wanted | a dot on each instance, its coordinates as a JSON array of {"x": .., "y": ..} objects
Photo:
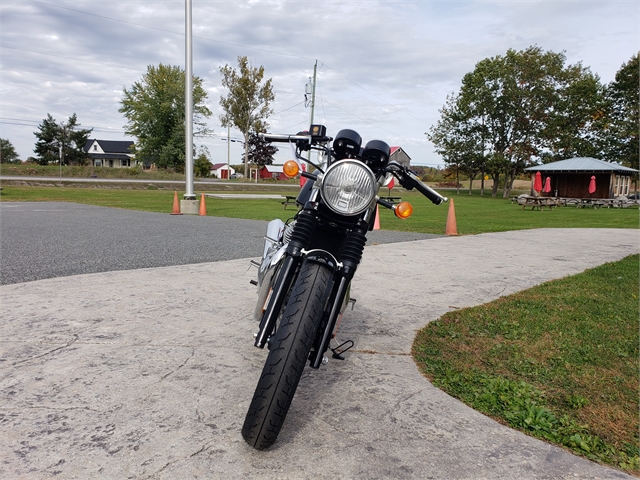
[{"x": 323, "y": 257}]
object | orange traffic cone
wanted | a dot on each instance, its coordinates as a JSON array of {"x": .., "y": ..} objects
[
  {"x": 376, "y": 223},
  {"x": 451, "y": 228},
  {"x": 176, "y": 204},
  {"x": 203, "y": 207}
]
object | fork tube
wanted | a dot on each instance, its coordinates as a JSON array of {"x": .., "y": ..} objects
[
  {"x": 280, "y": 287},
  {"x": 331, "y": 323}
]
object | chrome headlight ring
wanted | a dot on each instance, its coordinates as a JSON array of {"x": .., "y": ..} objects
[{"x": 348, "y": 187}]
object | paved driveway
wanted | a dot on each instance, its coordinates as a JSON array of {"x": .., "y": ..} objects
[{"x": 147, "y": 373}]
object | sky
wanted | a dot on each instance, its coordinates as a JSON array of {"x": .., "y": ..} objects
[{"x": 384, "y": 68}]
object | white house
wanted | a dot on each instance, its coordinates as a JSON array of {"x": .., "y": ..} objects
[
  {"x": 221, "y": 170},
  {"x": 110, "y": 153}
]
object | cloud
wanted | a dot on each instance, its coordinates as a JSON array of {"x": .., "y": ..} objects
[{"x": 384, "y": 67}]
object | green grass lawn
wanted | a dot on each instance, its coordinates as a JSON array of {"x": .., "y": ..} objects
[
  {"x": 558, "y": 361},
  {"x": 474, "y": 213}
]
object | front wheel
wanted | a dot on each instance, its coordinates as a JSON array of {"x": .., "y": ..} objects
[{"x": 288, "y": 352}]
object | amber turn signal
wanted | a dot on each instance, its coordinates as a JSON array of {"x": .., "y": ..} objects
[
  {"x": 403, "y": 210},
  {"x": 290, "y": 168}
]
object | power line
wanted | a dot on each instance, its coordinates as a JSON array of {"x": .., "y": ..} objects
[
  {"x": 70, "y": 58},
  {"x": 286, "y": 109},
  {"x": 373, "y": 94},
  {"x": 32, "y": 123}
]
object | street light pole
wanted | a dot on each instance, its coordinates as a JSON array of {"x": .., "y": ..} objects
[{"x": 189, "y": 195}]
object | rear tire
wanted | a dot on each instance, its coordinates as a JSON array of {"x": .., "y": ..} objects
[{"x": 289, "y": 350}]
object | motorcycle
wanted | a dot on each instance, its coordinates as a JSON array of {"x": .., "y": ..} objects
[{"x": 308, "y": 263}]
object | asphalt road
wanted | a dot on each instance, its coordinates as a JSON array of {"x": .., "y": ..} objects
[{"x": 41, "y": 240}]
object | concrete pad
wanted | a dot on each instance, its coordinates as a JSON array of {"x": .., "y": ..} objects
[
  {"x": 253, "y": 196},
  {"x": 148, "y": 373}
]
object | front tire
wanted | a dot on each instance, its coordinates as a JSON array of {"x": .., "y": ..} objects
[{"x": 289, "y": 350}]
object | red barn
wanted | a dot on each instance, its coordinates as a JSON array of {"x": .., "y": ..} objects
[{"x": 272, "y": 171}]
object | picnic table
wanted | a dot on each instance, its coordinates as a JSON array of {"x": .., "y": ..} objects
[
  {"x": 536, "y": 202},
  {"x": 289, "y": 200},
  {"x": 391, "y": 199}
]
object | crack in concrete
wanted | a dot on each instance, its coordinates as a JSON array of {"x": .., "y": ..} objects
[
  {"x": 193, "y": 352},
  {"x": 375, "y": 352},
  {"x": 168, "y": 464},
  {"x": 68, "y": 344},
  {"x": 45, "y": 407}
]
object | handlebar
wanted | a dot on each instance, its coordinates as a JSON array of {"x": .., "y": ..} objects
[
  {"x": 409, "y": 180},
  {"x": 427, "y": 191},
  {"x": 272, "y": 137}
]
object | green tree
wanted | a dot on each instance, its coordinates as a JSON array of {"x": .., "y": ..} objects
[
  {"x": 155, "y": 110},
  {"x": 457, "y": 139},
  {"x": 61, "y": 142},
  {"x": 624, "y": 116},
  {"x": 202, "y": 163},
  {"x": 514, "y": 110},
  {"x": 247, "y": 105},
  {"x": 8, "y": 152}
]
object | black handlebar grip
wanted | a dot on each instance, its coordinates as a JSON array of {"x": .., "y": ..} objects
[{"x": 427, "y": 191}]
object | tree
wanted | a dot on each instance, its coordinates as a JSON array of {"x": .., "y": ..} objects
[
  {"x": 456, "y": 139},
  {"x": 514, "y": 110},
  {"x": 155, "y": 110},
  {"x": 8, "y": 152},
  {"x": 246, "y": 107},
  {"x": 202, "y": 164},
  {"x": 61, "y": 142},
  {"x": 260, "y": 152},
  {"x": 624, "y": 94}
]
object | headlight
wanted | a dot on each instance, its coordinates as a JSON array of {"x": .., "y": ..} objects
[{"x": 348, "y": 187}]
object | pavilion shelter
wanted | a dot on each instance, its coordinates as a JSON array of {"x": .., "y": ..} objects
[{"x": 571, "y": 178}]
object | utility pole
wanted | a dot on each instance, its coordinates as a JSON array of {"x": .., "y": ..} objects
[
  {"x": 228, "y": 151},
  {"x": 313, "y": 92},
  {"x": 311, "y": 89}
]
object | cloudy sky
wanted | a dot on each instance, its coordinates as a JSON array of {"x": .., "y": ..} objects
[{"x": 384, "y": 67}]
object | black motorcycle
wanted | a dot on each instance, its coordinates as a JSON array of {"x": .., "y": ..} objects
[{"x": 307, "y": 265}]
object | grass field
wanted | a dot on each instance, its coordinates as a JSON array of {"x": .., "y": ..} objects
[
  {"x": 474, "y": 213},
  {"x": 558, "y": 361}
]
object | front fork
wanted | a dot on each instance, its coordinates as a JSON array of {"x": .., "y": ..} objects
[
  {"x": 350, "y": 259},
  {"x": 305, "y": 225}
]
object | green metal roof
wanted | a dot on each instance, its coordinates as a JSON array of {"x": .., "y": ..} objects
[{"x": 581, "y": 164}]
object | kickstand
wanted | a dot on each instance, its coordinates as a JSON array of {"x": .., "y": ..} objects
[{"x": 338, "y": 351}]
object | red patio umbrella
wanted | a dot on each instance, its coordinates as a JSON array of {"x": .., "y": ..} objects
[
  {"x": 537, "y": 183},
  {"x": 592, "y": 184},
  {"x": 547, "y": 185}
]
